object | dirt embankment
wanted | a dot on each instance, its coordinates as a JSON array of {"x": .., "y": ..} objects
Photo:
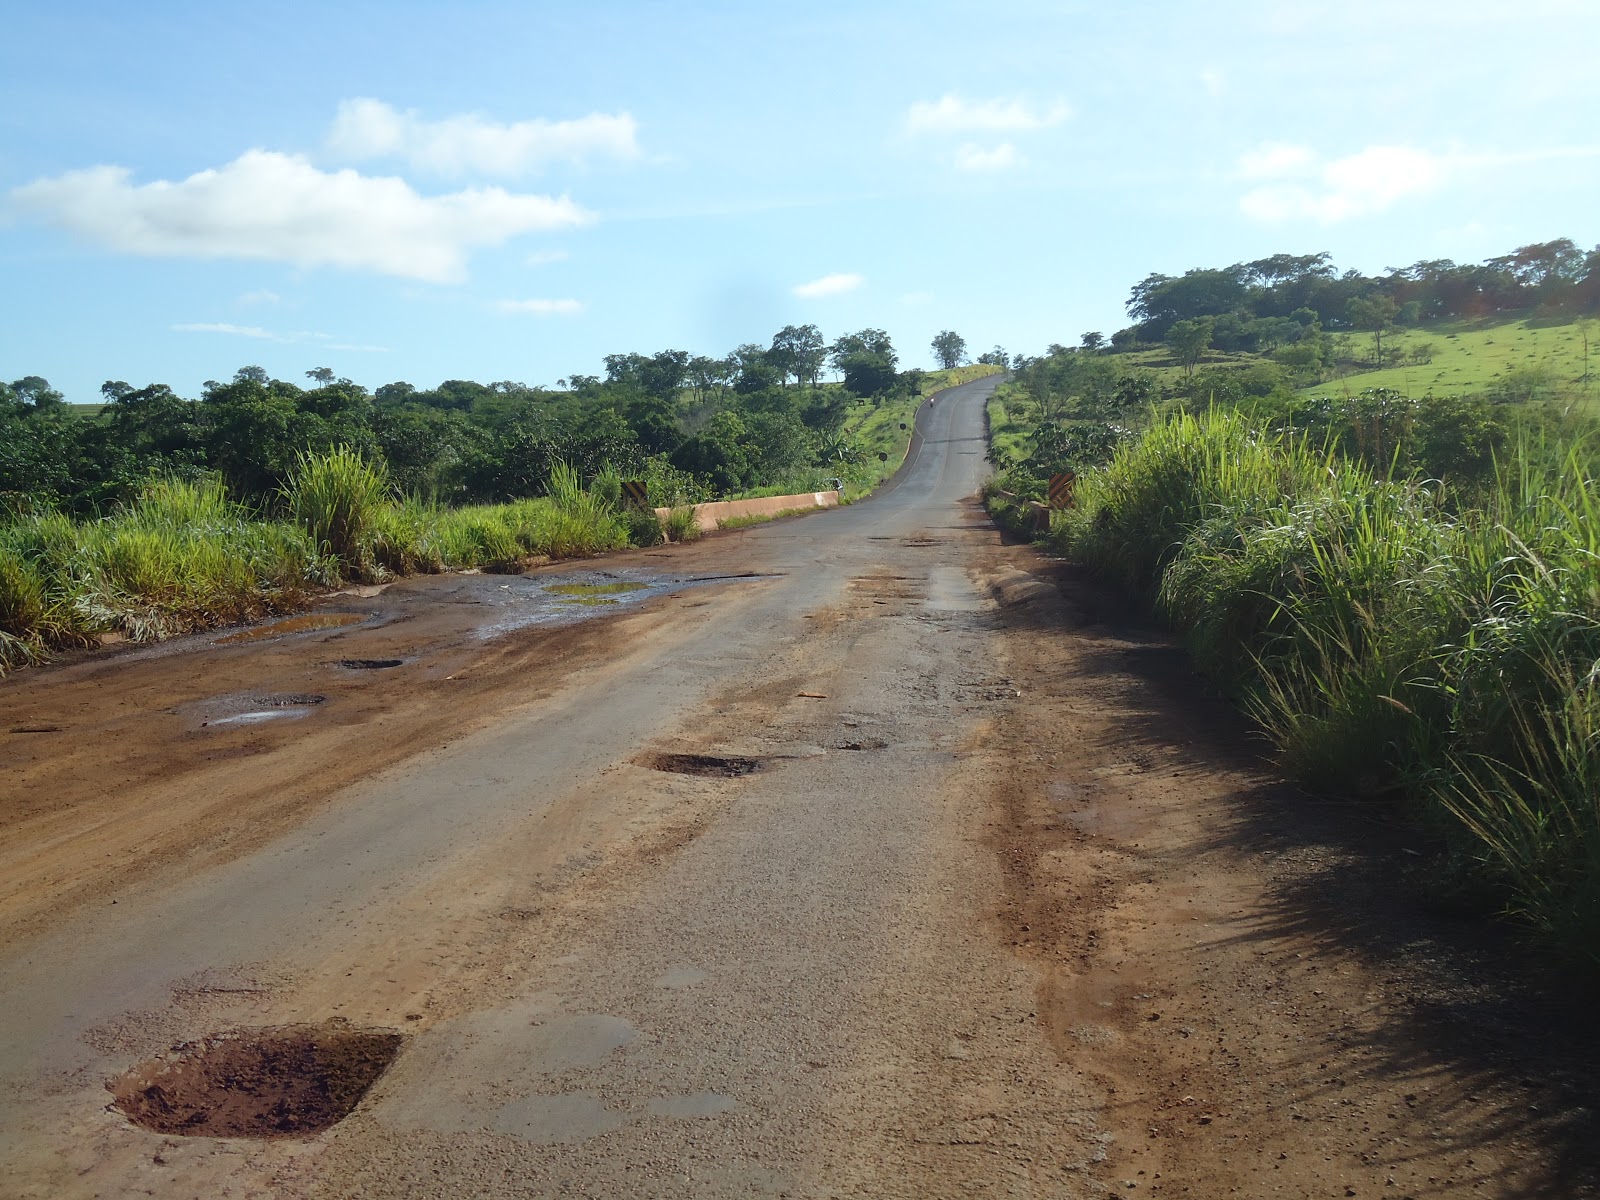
[{"x": 1242, "y": 966}]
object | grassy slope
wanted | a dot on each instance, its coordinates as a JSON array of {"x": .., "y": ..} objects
[
  {"x": 1006, "y": 433},
  {"x": 1470, "y": 355},
  {"x": 1169, "y": 369}
]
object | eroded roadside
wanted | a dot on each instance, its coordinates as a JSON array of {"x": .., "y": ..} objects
[{"x": 1240, "y": 966}]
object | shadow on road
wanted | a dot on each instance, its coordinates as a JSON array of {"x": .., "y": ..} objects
[{"x": 1484, "y": 1037}]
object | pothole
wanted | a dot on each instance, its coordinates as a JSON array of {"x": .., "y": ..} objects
[
  {"x": 284, "y": 1081},
  {"x": 369, "y": 664},
  {"x": 717, "y": 766},
  {"x": 863, "y": 744},
  {"x": 306, "y": 623},
  {"x": 266, "y": 708}
]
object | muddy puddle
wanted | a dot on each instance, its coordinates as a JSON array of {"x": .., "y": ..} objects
[
  {"x": 522, "y": 601},
  {"x": 304, "y": 623},
  {"x": 239, "y": 709}
]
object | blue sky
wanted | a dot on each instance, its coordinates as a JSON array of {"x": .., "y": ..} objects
[{"x": 510, "y": 191}]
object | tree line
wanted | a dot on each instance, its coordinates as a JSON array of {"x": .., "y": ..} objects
[
  {"x": 1283, "y": 304},
  {"x": 718, "y": 425}
]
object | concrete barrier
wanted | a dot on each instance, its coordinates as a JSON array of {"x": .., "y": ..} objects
[{"x": 708, "y": 517}]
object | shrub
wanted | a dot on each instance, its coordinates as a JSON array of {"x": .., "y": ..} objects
[
  {"x": 681, "y": 525},
  {"x": 337, "y": 497}
]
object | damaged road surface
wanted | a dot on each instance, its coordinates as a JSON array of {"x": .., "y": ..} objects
[{"x": 830, "y": 858}]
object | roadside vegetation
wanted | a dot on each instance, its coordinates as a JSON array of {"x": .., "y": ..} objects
[
  {"x": 1401, "y": 586},
  {"x": 153, "y": 515}
]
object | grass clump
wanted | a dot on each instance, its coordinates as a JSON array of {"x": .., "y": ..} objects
[
  {"x": 337, "y": 497},
  {"x": 1395, "y": 641},
  {"x": 681, "y": 524}
]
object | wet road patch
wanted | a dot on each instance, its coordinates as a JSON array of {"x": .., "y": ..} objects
[
  {"x": 286, "y": 1081},
  {"x": 305, "y": 623},
  {"x": 228, "y": 711},
  {"x": 594, "y": 590}
]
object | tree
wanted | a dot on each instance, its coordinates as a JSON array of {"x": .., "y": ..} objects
[
  {"x": 754, "y": 369},
  {"x": 662, "y": 374},
  {"x": 995, "y": 358},
  {"x": 1093, "y": 342},
  {"x": 323, "y": 375},
  {"x": 34, "y": 392},
  {"x": 798, "y": 350},
  {"x": 950, "y": 348},
  {"x": 1189, "y": 340},
  {"x": 1159, "y": 300},
  {"x": 1586, "y": 330},
  {"x": 396, "y": 393},
  {"x": 867, "y": 361},
  {"x": 706, "y": 374},
  {"x": 1375, "y": 314}
]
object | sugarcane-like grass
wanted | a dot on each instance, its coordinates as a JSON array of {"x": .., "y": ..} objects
[
  {"x": 1394, "y": 641},
  {"x": 184, "y": 557}
]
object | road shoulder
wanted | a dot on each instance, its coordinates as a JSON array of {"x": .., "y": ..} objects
[{"x": 1234, "y": 961}]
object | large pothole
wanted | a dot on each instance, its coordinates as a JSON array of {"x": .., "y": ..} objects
[
  {"x": 283, "y": 1081},
  {"x": 717, "y": 766}
]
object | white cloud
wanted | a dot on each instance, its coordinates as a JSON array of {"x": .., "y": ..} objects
[
  {"x": 541, "y": 308},
  {"x": 976, "y": 158},
  {"x": 543, "y": 258},
  {"x": 249, "y": 331},
  {"x": 953, "y": 114},
  {"x": 829, "y": 285},
  {"x": 276, "y": 207},
  {"x": 1302, "y": 186},
  {"x": 325, "y": 340},
  {"x": 458, "y": 145}
]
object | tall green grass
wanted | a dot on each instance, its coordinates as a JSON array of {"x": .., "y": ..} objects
[
  {"x": 183, "y": 556},
  {"x": 180, "y": 557},
  {"x": 1394, "y": 641},
  {"x": 337, "y": 497}
]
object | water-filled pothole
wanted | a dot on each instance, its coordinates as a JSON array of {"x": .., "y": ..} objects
[
  {"x": 593, "y": 595},
  {"x": 596, "y": 589},
  {"x": 304, "y": 623},
  {"x": 285, "y": 1081},
  {"x": 265, "y": 708},
  {"x": 369, "y": 664},
  {"x": 719, "y": 766}
]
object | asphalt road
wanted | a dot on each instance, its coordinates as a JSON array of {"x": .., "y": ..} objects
[{"x": 616, "y": 980}]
